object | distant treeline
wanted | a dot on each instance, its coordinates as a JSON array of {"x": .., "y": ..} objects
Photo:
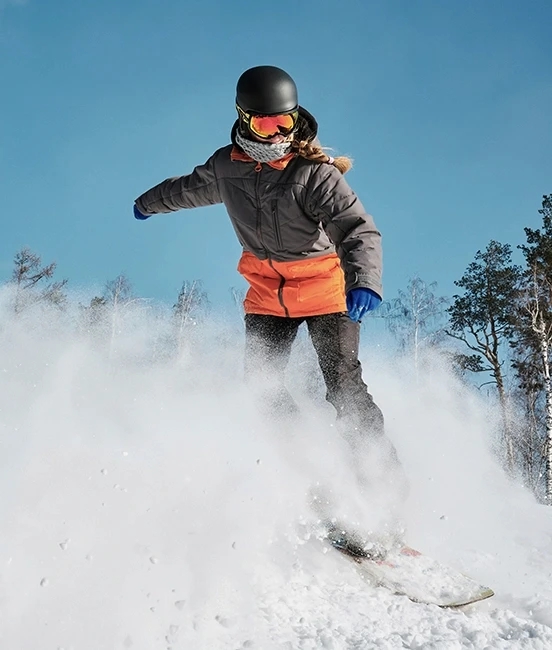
[{"x": 498, "y": 326}]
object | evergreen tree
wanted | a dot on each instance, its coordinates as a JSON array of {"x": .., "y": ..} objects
[
  {"x": 94, "y": 318},
  {"x": 483, "y": 319}
]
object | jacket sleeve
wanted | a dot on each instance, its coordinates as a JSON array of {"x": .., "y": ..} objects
[
  {"x": 197, "y": 189},
  {"x": 351, "y": 230}
]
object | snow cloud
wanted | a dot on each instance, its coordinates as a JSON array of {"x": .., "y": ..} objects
[{"x": 141, "y": 487}]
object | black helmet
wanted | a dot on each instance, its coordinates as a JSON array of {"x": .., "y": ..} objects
[{"x": 266, "y": 90}]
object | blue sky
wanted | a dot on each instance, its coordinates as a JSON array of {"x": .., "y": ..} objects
[{"x": 444, "y": 105}]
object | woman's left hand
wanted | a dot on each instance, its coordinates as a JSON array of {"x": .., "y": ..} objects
[
  {"x": 360, "y": 301},
  {"x": 139, "y": 215}
]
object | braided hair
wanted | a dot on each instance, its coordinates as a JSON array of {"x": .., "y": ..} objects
[{"x": 306, "y": 145}]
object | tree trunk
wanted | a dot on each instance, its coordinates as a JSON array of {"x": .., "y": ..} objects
[
  {"x": 416, "y": 352},
  {"x": 545, "y": 353},
  {"x": 186, "y": 300},
  {"x": 506, "y": 423},
  {"x": 113, "y": 336}
]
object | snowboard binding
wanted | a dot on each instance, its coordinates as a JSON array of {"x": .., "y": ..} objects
[{"x": 354, "y": 544}]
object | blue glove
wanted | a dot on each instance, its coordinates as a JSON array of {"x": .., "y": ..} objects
[
  {"x": 139, "y": 215},
  {"x": 360, "y": 301}
]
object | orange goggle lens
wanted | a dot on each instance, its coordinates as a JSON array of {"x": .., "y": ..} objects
[{"x": 267, "y": 126}]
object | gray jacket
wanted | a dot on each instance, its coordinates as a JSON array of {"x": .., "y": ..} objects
[{"x": 303, "y": 211}]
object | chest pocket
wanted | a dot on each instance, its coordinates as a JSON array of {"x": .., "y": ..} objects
[{"x": 293, "y": 231}]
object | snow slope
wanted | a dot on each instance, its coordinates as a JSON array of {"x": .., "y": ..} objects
[{"x": 145, "y": 505}]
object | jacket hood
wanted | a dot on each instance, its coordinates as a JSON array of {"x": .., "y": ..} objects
[{"x": 307, "y": 128}]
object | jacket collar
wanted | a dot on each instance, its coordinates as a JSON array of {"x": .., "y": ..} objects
[{"x": 281, "y": 163}]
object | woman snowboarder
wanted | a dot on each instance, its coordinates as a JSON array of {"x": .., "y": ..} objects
[{"x": 311, "y": 253}]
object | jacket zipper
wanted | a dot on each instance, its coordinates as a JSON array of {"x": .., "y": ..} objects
[
  {"x": 280, "y": 288},
  {"x": 258, "y": 168},
  {"x": 277, "y": 225}
]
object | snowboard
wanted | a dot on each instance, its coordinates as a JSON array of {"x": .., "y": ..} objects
[{"x": 406, "y": 571}]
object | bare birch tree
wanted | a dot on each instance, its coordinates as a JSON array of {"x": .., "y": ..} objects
[
  {"x": 415, "y": 317},
  {"x": 192, "y": 300},
  {"x": 32, "y": 282},
  {"x": 238, "y": 297},
  {"x": 535, "y": 312},
  {"x": 536, "y": 303},
  {"x": 528, "y": 397}
]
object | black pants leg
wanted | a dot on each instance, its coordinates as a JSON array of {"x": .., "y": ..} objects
[
  {"x": 336, "y": 340},
  {"x": 335, "y": 337},
  {"x": 268, "y": 341}
]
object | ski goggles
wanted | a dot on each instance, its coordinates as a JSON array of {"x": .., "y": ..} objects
[{"x": 267, "y": 126}]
